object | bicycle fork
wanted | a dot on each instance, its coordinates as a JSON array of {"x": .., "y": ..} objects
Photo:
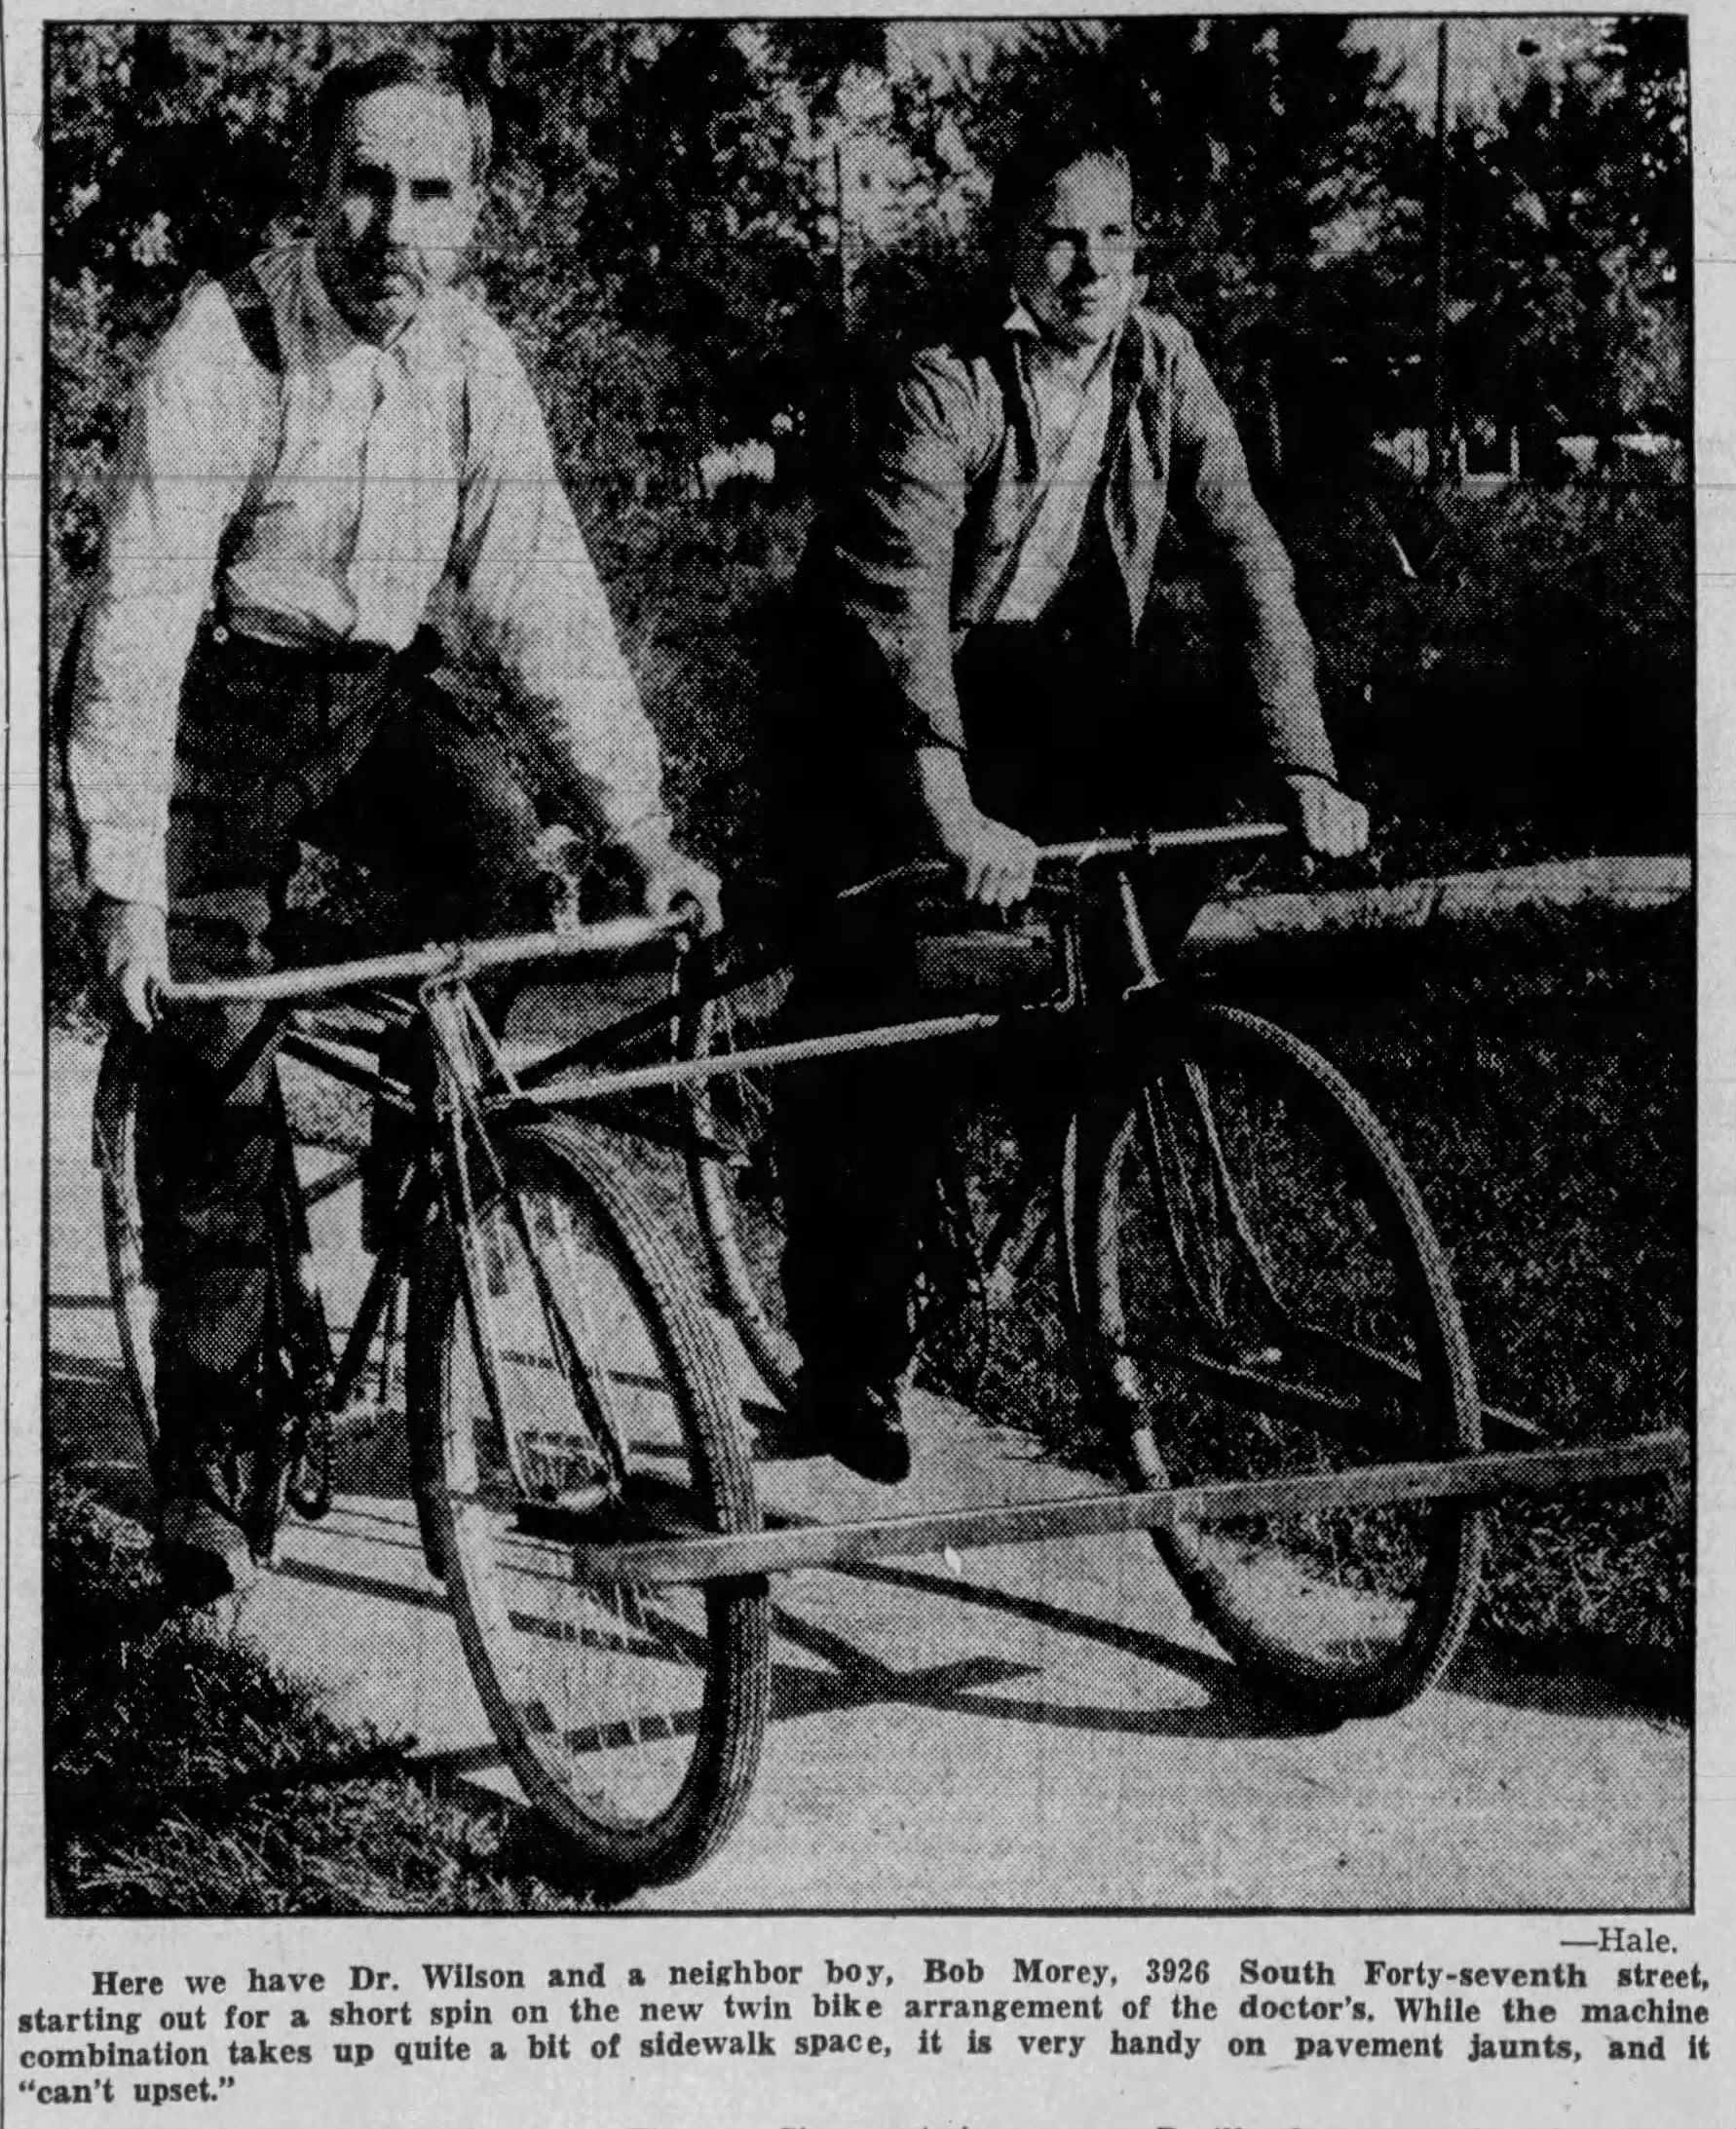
[{"x": 467, "y": 1057}]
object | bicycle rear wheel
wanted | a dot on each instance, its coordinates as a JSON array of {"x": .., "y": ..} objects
[
  {"x": 295, "y": 1347},
  {"x": 997, "y": 1296},
  {"x": 1271, "y": 1302},
  {"x": 576, "y": 1392},
  {"x": 116, "y": 1154}
]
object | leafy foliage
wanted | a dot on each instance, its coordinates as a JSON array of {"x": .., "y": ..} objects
[
  {"x": 1573, "y": 227},
  {"x": 668, "y": 241}
]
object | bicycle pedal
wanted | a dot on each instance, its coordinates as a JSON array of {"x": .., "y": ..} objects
[
  {"x": 366, "y": 1413},
  {"x": 308, "y": 1486},
  {"x": 310, "y": 1496}
]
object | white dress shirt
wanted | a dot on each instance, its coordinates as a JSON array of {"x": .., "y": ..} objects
[{"x": 325, "y": 505}]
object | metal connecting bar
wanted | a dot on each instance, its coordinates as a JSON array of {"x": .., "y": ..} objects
[
  {"x": 700, "y": 1558},
  {"x": 595, "y": 1086}
]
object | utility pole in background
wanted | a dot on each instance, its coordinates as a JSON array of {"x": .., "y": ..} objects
[
  {"x": 846, "y": 278},
  {"x": 1439, "y": 439},
  {"x": 828, "y": 409}
]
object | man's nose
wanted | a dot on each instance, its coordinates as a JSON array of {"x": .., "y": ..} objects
[{"x": 401, "y": 226}]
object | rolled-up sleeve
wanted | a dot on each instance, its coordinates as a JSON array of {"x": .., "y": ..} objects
[
  {"x": 183, "y": 470},
  {"x": 532, "y": 607},
  {"x": 897, "y": 540},
  {"x": 1213, "y": 496}
]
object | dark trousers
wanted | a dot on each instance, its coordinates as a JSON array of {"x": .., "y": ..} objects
[
  {"x": 363, "y": 755},
  {"x": 1064, "y": 741}
]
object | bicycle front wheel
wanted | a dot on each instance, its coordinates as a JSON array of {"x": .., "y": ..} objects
[
  {"x": 574, "y": 1389},
  {"x": 1271, "y": 1303}
]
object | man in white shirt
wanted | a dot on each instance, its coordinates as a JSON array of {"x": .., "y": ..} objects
[{"x": 324, "y": 451}]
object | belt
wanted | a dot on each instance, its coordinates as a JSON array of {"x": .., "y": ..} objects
[{"x": 334, "y": 657}]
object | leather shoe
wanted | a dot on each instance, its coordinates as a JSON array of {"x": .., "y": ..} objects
[
  {"x": 202, "y": 1554},
  {"x": 858, "y": 1425}
]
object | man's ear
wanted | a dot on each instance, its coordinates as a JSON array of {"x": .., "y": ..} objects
[{"x": 308, "y": 185}]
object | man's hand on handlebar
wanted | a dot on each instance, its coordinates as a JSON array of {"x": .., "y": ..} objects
[
  {"x": 996, "y": 864},
  {"x": 664, "y": 878},
  {"x": 1332, "y": 823},
  {"x": 129, "y": 947}
]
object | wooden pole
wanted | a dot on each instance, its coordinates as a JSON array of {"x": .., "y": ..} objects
[
  {"x": 846, "y": 305},
  {"x": 840, "y": 200},
  {"x": 1438, "y": 439}
]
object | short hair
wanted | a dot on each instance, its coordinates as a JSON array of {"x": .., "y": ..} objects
[
  {"x": 400, "y": 67},
  {"x": 1046, "y": 146}
]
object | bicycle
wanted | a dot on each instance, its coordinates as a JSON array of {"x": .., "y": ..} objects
[
  {"x": 1234, "y": 1249},
  {"x": 554, "y": 1360},
  {"x": 1259, "y": 1314}
]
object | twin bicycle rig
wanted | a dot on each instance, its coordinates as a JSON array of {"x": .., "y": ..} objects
[{"x": 1260, "y": 1319}]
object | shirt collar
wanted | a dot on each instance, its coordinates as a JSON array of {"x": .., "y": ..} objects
[
  {"x": 424, "y": 347},
  {"x": 1026, "y": 332}
]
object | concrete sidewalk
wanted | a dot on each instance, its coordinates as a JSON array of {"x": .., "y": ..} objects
[{"x": 1032, "y": 1726}]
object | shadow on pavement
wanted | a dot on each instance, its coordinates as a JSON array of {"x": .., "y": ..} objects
[
  {"x": 1582, "y": 1680},
  {"x": 93, "y": 1435}
]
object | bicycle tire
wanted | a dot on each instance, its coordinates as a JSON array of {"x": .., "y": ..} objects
[
  {"x": 295, "y": 1344},
  {"x": 1285, "y": 1249},
  {"x": 632, "y": 1717},
  {"x": 732, "y": 1174},
  {"x": 114, "y": 1146}
]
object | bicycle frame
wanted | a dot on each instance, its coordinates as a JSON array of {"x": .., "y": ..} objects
[
  {"x": 474, "y": 1084},
  {"x": 477, "y": 1081},
  {"x": 579, "y": 1073}
]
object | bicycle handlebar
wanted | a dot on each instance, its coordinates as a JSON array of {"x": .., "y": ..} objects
[
  {"x": 628, "y": 935},
  {"x": 461, "y": 958},
  {"x": 1152, "y": 842}
]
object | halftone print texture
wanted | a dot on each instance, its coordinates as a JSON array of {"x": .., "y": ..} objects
[{"x": 1136, "y": 414}]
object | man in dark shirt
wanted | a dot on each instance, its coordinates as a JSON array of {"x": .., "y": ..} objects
[{"x": 982, "y": 612}]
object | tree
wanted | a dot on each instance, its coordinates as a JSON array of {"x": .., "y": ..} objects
[{"x": 1571, "y": 237}]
